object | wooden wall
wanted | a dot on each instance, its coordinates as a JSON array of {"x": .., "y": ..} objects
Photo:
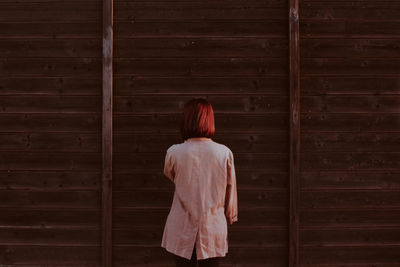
[
  {"x": 350, "y": 124},
  {"x": 235, "y": 53},
  {"x": 50, "y": 132}
]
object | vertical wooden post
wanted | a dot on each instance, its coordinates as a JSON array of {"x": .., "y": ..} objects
[
  {"x": 106, "y": 198},
  {"x": 294, "y": 122}
]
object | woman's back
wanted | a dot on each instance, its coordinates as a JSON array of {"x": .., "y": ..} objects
[{"x": 205, "y": 198}]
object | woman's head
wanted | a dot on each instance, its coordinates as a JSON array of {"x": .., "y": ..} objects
[{"x": 198, "y": 119}]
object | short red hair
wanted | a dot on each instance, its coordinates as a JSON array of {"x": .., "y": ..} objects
[{"x": 197, "y": 119}]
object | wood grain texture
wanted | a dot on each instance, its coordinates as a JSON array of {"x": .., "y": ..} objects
[
  {"x": 107, "y": 135},
  {"x": 350, "y": 126},
  {"x": 50, "y": 133},
  {"x": 234, "y": 53}
]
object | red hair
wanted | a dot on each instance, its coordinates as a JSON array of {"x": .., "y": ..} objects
[{"x": 197, "y": 119}]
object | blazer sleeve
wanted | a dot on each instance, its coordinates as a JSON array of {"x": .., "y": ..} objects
[
  {"x": 231, "y": 201},
  {"x": 169, "y": 166}
]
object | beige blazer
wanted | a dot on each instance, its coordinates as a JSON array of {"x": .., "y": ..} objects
[{"x": 205, "y": 198}]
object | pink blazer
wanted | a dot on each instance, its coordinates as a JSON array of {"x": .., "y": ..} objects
[{"x": 205, "y": 198}]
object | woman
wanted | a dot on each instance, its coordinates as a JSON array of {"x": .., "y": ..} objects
[{"x": 205, "y": 197}]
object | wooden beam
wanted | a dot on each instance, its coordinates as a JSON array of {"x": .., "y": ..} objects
[
  {"x": 106, "y": 198},
  {"x": 294, "y": 122}
]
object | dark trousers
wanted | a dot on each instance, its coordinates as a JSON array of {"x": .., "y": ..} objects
[{"x": 183, "y": 262}]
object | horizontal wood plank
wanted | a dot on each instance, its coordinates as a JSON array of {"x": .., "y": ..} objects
[
  {"x": 58, "y": 86},
  {"x": 48, "y": 104},
  {"x": 355, "y": 198},
  {"x": 252, "y": 217},
  {"x": 69, "y": 161},
  {"x": 200, "y": 67},
  {"x": 166, "y": 103},
  {"x": 330, "y": 85},
  {"x": 139, "y": 85},
  {"x": 340, "y": 28},
  {"x": 350, "y": 236},
  {"x": 155, "y": 161},
  {"x": 50, "y": 180},
  {"x": 249, "y": 179},
  {"x": 350, "y": 179},
  {"x": 232, "y": 123},
  {"x": 351, "y": 217},
  {"x": 201, "y": 10},
  {"x": 66, "y": 255},
  {"x": 163, "y": 198},
  {"x": 243, "y": 28},
  {"x": 49, "y": 217},
  {"x": 349, "y": 255},
  {"x": 237, "y": 47},
  {"x": 49, "y": 236},
  {"x": 350, "y": 142},
  {"x": 56, "y": 198},
  {"x": 351, "y": 104},
  {"x": 50, "y": 123},
  {"x": 69, "y": 142},
  {"x": 350, "y": 161},
  {"x": 239, "y": 142},
  {"x": 350, "y": 122},
  {"x": 51, "y": 11}
]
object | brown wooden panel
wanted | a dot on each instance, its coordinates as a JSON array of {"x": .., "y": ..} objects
[
  {"x": 200, "y": 67},
  {"x": 350, "y": 236},
  {"x": 272, "y": 3},
  {"x": 222, "y": 104},
  {"x": 133, "y": 85},
  {"x": 250, "y": 217},
  {"x": 350, "y": 122},
  {"x": 56, "y": 198},
  {"x": 51, "y": 11},
  {"x": 49, "y": 122},
  {"x": 68, "y": 142},
  {"x": 157, "y": 256},
  {"x": 350, "y": 66},
  {"x": 251, "y": 142},
  {"x": 70, "y": 180},
  {"x": 52, "y": 217},
  {"x": 357, "y": 10},
  {"x": 237, "y": 47},
  {"x": 249, "y": 179},
  {"x": 163, "y": 198},
  {"x": 349, "y": 255},
  {"x": 351, "y": 104},
  {"x": 47, "y": 104},
  {"x": 350, "y": 141},
  {"x": 42, "y": 47},
  {"x": 232, "y": 123},
  {"x": 69, "y": 255},
  {"x": 198, "y": 10},
  {"x": 49, "y": 85},
  {"x": 363, "y": 47},
  {"x": 345, "y": 29},
  {"x": 170, "y": 29},
  {"x": 49, "y": 236},
  {"x": 367, "y": 198},
  {"x": 83, "y": 67},
  {"x": 241, "y": 236},
  {"x": 50, "y": 161},
  {"x": 312, "y": 85},
  {"x": 351, "y": 179},
  {"x": 350, "y": 161},
  {"x": 81, "y": 29},
  {"x": 355, "y": 217},
  {"x": 243, "y": 161}
]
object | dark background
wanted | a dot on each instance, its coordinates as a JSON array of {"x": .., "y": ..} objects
[{"x": 235, "y": 53}]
